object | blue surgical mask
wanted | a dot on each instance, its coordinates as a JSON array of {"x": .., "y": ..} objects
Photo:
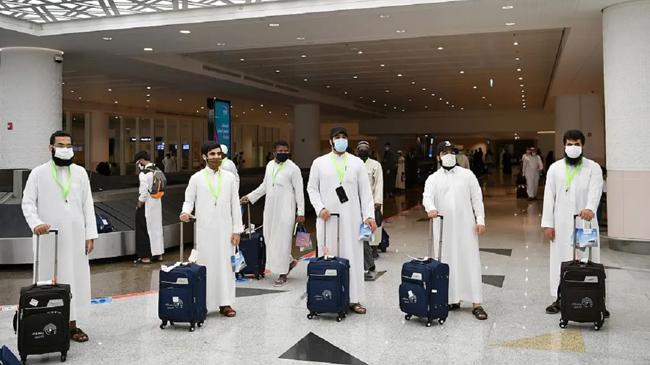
[{"x": 340, "y": 145}]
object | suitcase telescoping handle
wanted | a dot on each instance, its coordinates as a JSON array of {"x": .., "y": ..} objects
[
  {"x": 442, "y": 224},
  {"x": 38, "y": 256},
  {"x": 338, "y": 234},
  {"x": 192, "y": 219},
  {"x": 575, "y": 238}
]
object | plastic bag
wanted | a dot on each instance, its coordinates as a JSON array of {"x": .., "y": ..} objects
[
  {"x": 365, "y": 232},
  {"x": 303, "y": 238},
  {"x": 586, "y": 237},
  {"x": 237, "y": 261}
]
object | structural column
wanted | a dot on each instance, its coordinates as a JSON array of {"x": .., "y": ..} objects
[
  {"x": 583, "y": 112},
  {"x": 30, "y": 104},
  {"x": 306, "y": 143},
  {"x": 626, "y": 47}
]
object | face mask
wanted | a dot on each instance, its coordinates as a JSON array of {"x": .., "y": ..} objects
[
  {"x": 340, "y": 145},
  {"x": 63, "y": 153},
  {"x": 282, "y": 157},
  {"x": 448, "y": 160},
  {"x": 573, "y": 151},
  {"x": 363, "y": 155}
]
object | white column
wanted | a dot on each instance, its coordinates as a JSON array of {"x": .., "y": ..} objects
[
  {"x": 31, "y": 100},
  {"x": 98, "y": 142},
  {"x": 583, "y": 112},
  {"x": 626, "y": 47},
  {"x": 306, "y": 144}
]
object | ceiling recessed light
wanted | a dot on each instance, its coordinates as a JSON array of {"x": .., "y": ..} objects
[
  {"x": 300, "y": 38},
  {"x": 399, "y": 75},
  {"x": 115, "y": 102},
  {"x": 510, "y": 24},
  {"x": 521, "y": 85},
  {"x": 384, "y": 16},
  {"x": 345, "y": 92},
  {"x": 328, "y": 86},
  {"x": 491, "y": 82},
  {"x": 432, "y": 94},
  {"x": 483, "y": 97},
  {"x": 221, "y": 44},
  {"x": 515, "y": 43},
  {"x": 274, "y": 25},
  {"x": 490, "y": 105},
  {"x": 424, "y": 89},
  {"x": 109, "y": 90},
  {"x": 395, "y": 107},
  {"x": 517, "y": 58},
  {"x": 148, "y": 95},
  {"x": 242, "y": 59},
  {"x": 440, "y": 99},
  {"x": 400, "y": 31},
  {"x": 361, "y": 97},
  {"x": 277, "y": 71},
  {"x": 520, "y": 78},
  {"x": 440, "y": 48},
  {"x": 382, "y": 65},
  {"x": 185, "y": 31},
  {"x": 148, "y": 100},
  {"x": 179, "y": 100},
  {"x": 303, "y": 56},
  {"x": 410, "y": 100},
  {"x": 148, "y": 87},
  {"x": 148, "y": 49},
  {"x": 107, "y": 39},
  {"x": 72, "y": 91},
  {"x": 523, "y": 91},
  {"x": 518, "y": 69},
  {"x": 462, "y": 108},
  {"x": 474, "y": 87},
  {"x": 261, "y": 105},
  {"x": 446, "y": 102},
  {"x": 80, "y": 98},
  {"x": 204, "y": 108},
  {"x": 386, "y": 91},
  {"x": 412, "y": 82},
  {"x": 355, "y": 77},
  {"x": 426, "y": 107},
  {"x": 374, "y": 101},
  {"x": 359, "y": 52},
  {"x": 461, "y": 72},
  {"x": 507, "y": 7}
]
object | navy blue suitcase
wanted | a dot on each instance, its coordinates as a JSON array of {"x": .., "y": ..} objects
[
  {"x": 424, "y": 291},
  {"x": 182, "y": 294},
  {"x": 253, "y": 248},
  {"x": 328, "y": 285},
  {"x": 104, "y": 224},
  {"x": 7, "y": 357}
]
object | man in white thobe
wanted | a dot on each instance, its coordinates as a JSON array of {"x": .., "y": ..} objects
[
  {"x": 284, "y": 206},
  {"x": 228, "y": 165},
  {"x": 573, "y": 187},
  {"x": 376, "y": 179},
  {"x": 213, "y": 195},
  {"x": 454, "y": 193},
  {"x": 148, "y": 217},
  {"x": 57, "y": 196},
  {"x": 338, "y": 183},
  {"x": 532, "y": 165}
]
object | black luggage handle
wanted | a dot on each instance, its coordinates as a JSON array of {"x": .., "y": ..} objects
[
  {"x": 338, "y": 234},
  {"x": 575, "y": 239},
  {"x": 56, "y": 256},
  {"x": 192, "y": 219}
]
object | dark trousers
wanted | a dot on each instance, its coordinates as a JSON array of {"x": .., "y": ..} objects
[
  {"x": 368, "y": 260},
  {"x": 142, "y": 243}
]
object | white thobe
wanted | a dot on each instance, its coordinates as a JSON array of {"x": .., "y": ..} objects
[
  {"x": 457, "y": 196},
  {"x": 531, "y": 166},
  {"x": 323, "y": 181},
  {"x": 376, "y": 179},
  {"x": 216, "y": 221},
  {"x": 228, "y": 165},
  {"x": 43, "y": 203},
  {"x": 152, "y": 213},
  {"x": 285, "y": 199},
  {"x": 561, "y": 204}
]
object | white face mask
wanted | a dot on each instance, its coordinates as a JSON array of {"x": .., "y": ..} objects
[
  {"x": 573, "y": 151},
  {"x": 63, "y": 153},
  {"x": 448, "y": 160}
]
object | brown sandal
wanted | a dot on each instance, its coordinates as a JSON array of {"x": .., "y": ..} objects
[
  {"x": 358, "y": 308},
  {"x": 227, "y": 311},
  {"x": 77, "y": 335},
  {"x": 479, "y": 313}
]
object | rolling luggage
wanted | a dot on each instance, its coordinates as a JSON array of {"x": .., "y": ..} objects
[
  {"x": 42, "y": 321},
  {"x": 424, "y": 291},
  {"x": 182, "y": 293},
  {"x": 253, "y": 247},
  {"x": 328, "y": 283},
  {"x": 104, "y": 224},
  {"x": 582, "y": 290},
  {"x": 7, "y": 357}
]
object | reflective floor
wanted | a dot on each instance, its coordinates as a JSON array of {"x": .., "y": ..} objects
[{"x": 271, "y": 325}]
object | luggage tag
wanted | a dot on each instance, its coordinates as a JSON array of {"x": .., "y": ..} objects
[{"x": 340, "y": 192}]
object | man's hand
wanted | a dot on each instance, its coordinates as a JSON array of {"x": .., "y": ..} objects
[
  {"x": 549, "y": 233},
  {"x": 42, "y": 229},
  {"x": 300, "y": 219},
  {"x": 140, "y": 204},
  {"x": 90, "y": 245},
  {"x": 586, "y": 214},
  {"x": 480, "y": 229},
  {"x": 325, "y": 214},
  {"x": 235, "y": 238},
  {"x": 433, "y": 214},
  {"x": 184, "y": 217},
  {"x": 373, "y": 225},
  {"x": 244, "y": 200}
]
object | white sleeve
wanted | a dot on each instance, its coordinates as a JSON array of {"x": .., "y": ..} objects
[
  {"x": 548, "y": 211},
  {"x": 428, "y": 200},
  {"x": 313, "y": 188},
  {"x": 190, "y": 196},
  {"x": 477, "y": 199},
  {"x": 298, "y": 188},
  {"x": 378, "y": 193},
  {"x": 365, "y": 194},
  {"x": 143, "y": 189},
  {"x": 88, "y": 208},
  {"x": 235, "y": 208},
  {"x": 595, "y": 188},
  {"x": 30, "y": 201}
]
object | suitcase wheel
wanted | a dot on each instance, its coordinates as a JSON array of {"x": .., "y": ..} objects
[
  {"x": 200, "y": 324},
  {"x": 563, "y": 323},
  {"x": 408, "y": 317},
  {"x": 192, "y": 326},
  {"x": 311, "y": 316},
  {"x": 163, "y": 325},
  {"x": 172, "y": 323},
  {"x": 339, "y": 318},
  {"x": 64, "y": 356},
  {"x": 441, "y": 321},
  {"x": 258, "y": 277},
  {"x": 598, "y": 325},
  {"x": 429, "y": 323}
]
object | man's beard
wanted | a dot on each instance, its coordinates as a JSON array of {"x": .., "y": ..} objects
[
  {"x": 214, "y": 165},
  {"x": 573, "y": 161},
  {"x": 60, "y": 161}
]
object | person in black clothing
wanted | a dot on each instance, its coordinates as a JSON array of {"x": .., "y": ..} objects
[
  {"x": 389, "y": 164},
  {"x": 507, "y": 163}
]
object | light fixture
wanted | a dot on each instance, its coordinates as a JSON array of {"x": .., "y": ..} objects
[
  {"x": 374, "y": 101},
  {"x": 359, "y": 52},
  {"x": 386, "y": 91},
  {"x": 204, "y": 108},
  {"x": 507, "y": 7},
  {"x": 462, "y": 108},
  {"x": 461, "y": 72},
  {"x": 474, "y": 87},
  {"x": 382, "y": 65},
  {"x": 148, "y": 49},
  {"x": 328, "y": 86},
  {"x": 261, "y": 105},
  {"x": 277, "y": 71},
  {"x": 440, "y": 99},
  {"x": 517, "y": 58},
  {"x": 80, "y": 98},
  {"x": 400, "y": 31},
  {"x": 345, "y": 92},
  {"x": 490, "y": 105},
  {"x": 510, "y": 24},
  {"x": 426, "y": 107},
  {"x": 300, "y": 38},
  {"x": 274, "y": 25},
  {"x": 440, "y": 48},
  {"x": 410, "y": 100},
  {"x": 221, "y": 44},
  {"x": 384, "y": 16},
  {"x": 412, "y": 82},
  {"x": 355, "y": 77},
  {"x": 483, "y": 97},
  {"x": 424, "y": 89},
  {"x": 432, "y": 94},
  {"x": 446, "y": 102},
  {"x": 179, "y": 100},
  {"x": 148, "y": 100},
  {"x": 491, "y": 82},
  {"x": 107, "y": 39},
  {"x": 360, "y": 97},
  {"x": 109, "y": 90},
  {"x": 521, "y": 85},
  {"x": 520, "y": 78},
  {"x": 72, "y": 91},
  {"x": 515, "y": 43},
  {"x": 115, "y": 102},
  {"x": 148, "y": 95},
  {"x": 242, "y": 59},
  {"x": 523, "y": 91},
  {"x": 518, "y": 69},
  {"x": 303, "y": 56},
  {"x": 185, "y": 31},
  {"x": 399, "y": 75},
  {"x": 148, "y": 87}
]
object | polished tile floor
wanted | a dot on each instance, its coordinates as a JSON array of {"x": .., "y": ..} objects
[{"x": 271, "y": 326}]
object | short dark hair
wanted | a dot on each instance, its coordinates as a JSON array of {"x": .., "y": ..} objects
[
  {"x": 209, "y": 146},
  {"x": 59, "y": 134},
  {"x": 573, "y": 134},
  {"x": 280, "y": 143},
  {"x": 142, "y": 155}
]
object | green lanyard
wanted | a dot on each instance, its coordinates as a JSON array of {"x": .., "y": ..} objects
[
  {"x": 64, "y": 188},
  {"x": 208, "y": 179},
  {"x": 276, "y": 171},
  {"x": 340, "y": 168},
  {"x": 571, "y": 173}
]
